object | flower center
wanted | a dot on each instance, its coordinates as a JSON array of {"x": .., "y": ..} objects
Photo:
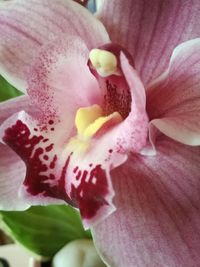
[
  {"x": 90, "y": 120},
  {"x": 94, "y": 121},
  {"x": 91, "y": 123},
  {"x": 105, "y": 64}
]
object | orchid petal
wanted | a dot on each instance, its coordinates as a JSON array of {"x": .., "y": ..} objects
[
  {"x": 173, "y": 102},
  {"x": 12, "y": 172},
  {"x": 126, "y": 94},
  {"x": 34, "y": 143},
  {"x": 157, "y": 200},
  {"x": 81, "y": 179},
  {"x": 12, "y": 168},
  {"x": 133, "y": 129},
  {"x": 9, "y": 107},
  {"x": 54, "y": 174},
  {"x": 151, "y": 30},
  {"x": 53, "y": 83},
  {"x": 94, "y": 197},
  {"x": 27, "y": 25}
]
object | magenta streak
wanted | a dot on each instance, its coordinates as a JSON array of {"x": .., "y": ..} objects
[
  {"x": 49, "y": 148},
  {"x": 61, "y": 184},
  {"x": 78, "y": 176},
  {"x": 53, "y": 162},
  {"x": 20, "y": 31},
  {"x": 75, "y": 169}
]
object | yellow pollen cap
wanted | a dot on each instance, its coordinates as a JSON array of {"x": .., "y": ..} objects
[
  {"x": 89, "y": 121},
  {"x": 86, "y": 116},
  {"x": 103, "y": 61}
]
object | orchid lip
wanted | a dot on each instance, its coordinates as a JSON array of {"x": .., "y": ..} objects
[{"x": 73, "y": 156}]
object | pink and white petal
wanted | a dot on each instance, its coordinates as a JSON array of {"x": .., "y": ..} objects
[
  {"x": 87, "y": 177},
  {"x": 178, "y": 129},
  {"x": 89, "y": 186},
  {"x": 12, "y": 172},
  {"x": 132, "y": 132},
  {"x": 157, "y": 218},
  {"x": 27, "y": 25},
  {"x": 157, "y": 27},
  {"x": 37, "y": 147},
  {"x": 74, "y": 179},
  {"x": 12, "y": 168},
  {"x": 88, "y": 180},
  {"x": 60, "y": 81},
  {"x": 55, "y": 175},
  {"x": 173, "y": 100},
  {"x": 125, "y": 94},
  {"x": 9, "y": 107}
]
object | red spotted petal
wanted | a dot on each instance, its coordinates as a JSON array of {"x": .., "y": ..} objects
[
  {"x": 35, "y": 145},
  {"x": 60, "y": 82}
]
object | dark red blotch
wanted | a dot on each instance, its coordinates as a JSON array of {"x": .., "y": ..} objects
[
  {"x": 90, "y": 197},
  {"x": 18, "y": 138}
]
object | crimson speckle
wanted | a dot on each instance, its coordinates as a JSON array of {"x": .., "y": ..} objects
[
  {"x": 51, "y": 122},
  {"x": 46, "y": 157},
  {"x": 75, "y": 169},
  {"x": 53, "y": 163},
  {"x": 110, "y": 151},
  {"x": 115, "y": 100},
  {"x": 49, "y": 148},
  {"x": 90, "y": 196}
]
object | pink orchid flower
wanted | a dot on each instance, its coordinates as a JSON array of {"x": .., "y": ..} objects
[{"x": 110, "y": 122}]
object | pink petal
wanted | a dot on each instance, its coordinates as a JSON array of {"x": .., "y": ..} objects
[
  {"x": 15, "y": 105},
  {"x": 81, "y": 180},
  {"x": 125, "y": 94},
  {"x": 12, "y": 168},
  {"x": 35, "y": 144},
  {"x": 150, "y": 30},
  {"x": 12, "y": 172},
  {"x": 88, "y": 182},
  {"x": 60, "y": 81},
  {"x": 54, "y": 174},
  {"x": 157, "y": 218},
  {"x": 173, "y": 100},
  {"x": 133, "y": 133},
  {"x": 109, "y": 151},
  {"x": 26, "y": 25}
]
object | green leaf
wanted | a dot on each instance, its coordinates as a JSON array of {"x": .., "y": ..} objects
[
  {"x": 45, "y": 230},
  {"x": 7, "y": 91}
]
